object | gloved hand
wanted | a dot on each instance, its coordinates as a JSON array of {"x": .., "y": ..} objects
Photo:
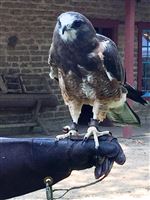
[{"x": 25, "y": 162}]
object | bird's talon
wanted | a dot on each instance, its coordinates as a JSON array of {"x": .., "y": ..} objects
[
  {"x": 110, "y": 133},
  {"x": 85, "y": 139},
  {"x": 62, "y": 136},
  {"x": 66, "y": 129},
  {"x": 56, "y": 139},
  {"x": 96, "y": 145},
  {"x": 67, "y": 135}
]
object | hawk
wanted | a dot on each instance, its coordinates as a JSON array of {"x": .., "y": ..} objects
[{"x": 89, "y": 71}]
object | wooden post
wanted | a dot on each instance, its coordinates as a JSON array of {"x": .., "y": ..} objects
[
  {"x": 129, "y": 49},
  {"x": 129, "y": 39}
]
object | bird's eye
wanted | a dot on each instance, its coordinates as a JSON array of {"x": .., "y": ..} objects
[{"x": 77, "y": 23}]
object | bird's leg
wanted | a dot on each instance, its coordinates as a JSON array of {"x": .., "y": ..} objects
[
  {"x": 94, "y": 124},
  {"x": 75, "y": 110}
]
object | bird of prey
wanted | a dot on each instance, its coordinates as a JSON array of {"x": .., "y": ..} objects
[{"x": 89, "y": 71}]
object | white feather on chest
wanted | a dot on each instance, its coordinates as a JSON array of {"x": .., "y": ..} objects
[{"x": 86, "y": 88}]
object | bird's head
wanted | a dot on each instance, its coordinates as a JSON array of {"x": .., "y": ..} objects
[{"x": 73, "y": 25}]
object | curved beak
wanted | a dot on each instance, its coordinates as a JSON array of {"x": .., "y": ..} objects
[{"x": 64, "y": 29}]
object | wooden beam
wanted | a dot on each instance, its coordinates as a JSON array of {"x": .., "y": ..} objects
[
  {"x": 18, "y": 125},
  {"x": 129, "y": 39},
  {"x": 129, "y": 49}
]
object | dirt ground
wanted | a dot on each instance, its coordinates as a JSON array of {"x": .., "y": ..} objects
[{"x": 130, "y": 181}]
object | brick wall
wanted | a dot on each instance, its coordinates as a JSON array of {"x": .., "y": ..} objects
[{"x": 32, "y": 22}]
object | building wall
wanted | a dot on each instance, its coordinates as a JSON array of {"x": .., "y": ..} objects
[{"x": 33, "y": 21}]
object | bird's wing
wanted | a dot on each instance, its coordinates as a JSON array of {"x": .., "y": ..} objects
[
  {"x": 111, "y": 58},
  {"x": 53, "y": 67}
]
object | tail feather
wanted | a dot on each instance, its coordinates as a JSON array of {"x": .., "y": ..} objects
[
  {"x": 135, "y": 95},
  {"x": 124, "y": 115}
]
